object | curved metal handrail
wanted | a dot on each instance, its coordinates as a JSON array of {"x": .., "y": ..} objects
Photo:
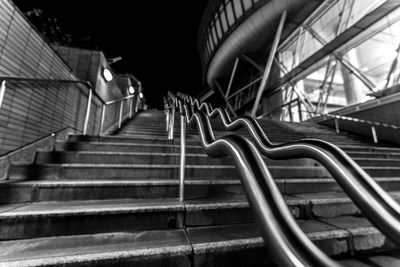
[
  {"x": 375, "y": 203},
  {"x": 289, "y": 245}
]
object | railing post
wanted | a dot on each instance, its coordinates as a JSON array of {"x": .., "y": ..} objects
[
  {"x": 130, "y": 107},
  {"x": 337, "y": 126},
  {"x": 167, "y": 115},
  {"x": 171, "y": 124},
  {"x": 290, "y": 112},
  {"x": 299, "y": 110},
  {"x": 89, "y": 104},
  {"x": 182, "y": 160},
  {"x": 374, "y": 135},
  {"x": 137, "y": 104},
  {"x": 2, "y": 91},
  {"x": 103, "y": 113},
  {"x": 121, "y": 106}
]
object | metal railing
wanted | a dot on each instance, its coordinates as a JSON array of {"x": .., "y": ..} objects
[
  {"x": 368, "y": 123},
  {"x": 290, "y": 245},
  {"x": 263, "y": 194},
  {"x": 91, "y": 93}
]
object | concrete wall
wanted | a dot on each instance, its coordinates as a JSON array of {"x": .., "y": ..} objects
[
  {"x": 31, "y": 110},
  {"x": 89, "y": 64}
]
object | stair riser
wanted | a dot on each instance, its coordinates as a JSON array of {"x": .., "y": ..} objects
[
  {"x": 378, "y": 163},
  {"x": 61, "y": 157},
  {"x": 291, "y": 187},
  {"x": 44, "y": 226},
  {"x": 254, "y": 252},
  {"x": 124, "y": 148},
  {"x": 118, "y": 139},
  {"x": 219, "y": 216},
  {"x": 29, "y": 172},
  {"x": 24, "y": 194},
  {"x": 377, "y": 155}
]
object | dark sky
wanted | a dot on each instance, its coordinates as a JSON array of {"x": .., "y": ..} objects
[{"x": 156, "y": 39}]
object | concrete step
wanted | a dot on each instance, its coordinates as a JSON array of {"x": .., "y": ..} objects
[
  {"x": 44, "y": 219},
  {"x": 88, "y": 157},
  {"x": 373, "y": 155},
  {"x": 21, "y": 221},
  {"x": 380, "y": 258},
  {"x": 128, "y": 139},
  {"x": 146, "y": 171},
  {"x": 144, "y": 248},
  {"x": 71, "y": 190},
  {"x": 166, "y": 146},
  {"x": 276, "y": 137},
  {"x": 137, "y": 146},
  {"x": 229, "y": 245},
  {"x": 91, "y": 189},
  {"x": 168, "y": 171},
  {"x": 229, "y": 210},
  {"x": 225, "y": 245},
  {"x": 241, "y": 245}
]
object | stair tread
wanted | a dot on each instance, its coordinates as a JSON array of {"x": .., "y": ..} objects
[
  {"x": 85, "y": 207},
  {"x": 207, "y": 238},
  {"x": 95, "y": 247},
  {"x": 147, "y": 243}
]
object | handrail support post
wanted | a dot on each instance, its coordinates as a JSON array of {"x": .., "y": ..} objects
[
  {"x": 182, "y": 159},
  {"x": 103, "y": 113},
  {"x": 167, "y": 115},
  {"x": 171, "y": 125},
  {"x": 121, "y": 106},
  {"x": 130, "y": 107},
  {"x": 337, "y": 126},
  {"x": 374, "y": 135},
  {"x": 89, "y": 104}
]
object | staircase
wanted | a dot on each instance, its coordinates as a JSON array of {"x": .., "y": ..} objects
[{"x": 112, "y": 200}]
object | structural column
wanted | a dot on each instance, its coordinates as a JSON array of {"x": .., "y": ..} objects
[{"x": 353, "y": 87}]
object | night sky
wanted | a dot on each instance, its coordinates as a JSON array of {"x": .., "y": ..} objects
[{"x": 157, "y": 40}]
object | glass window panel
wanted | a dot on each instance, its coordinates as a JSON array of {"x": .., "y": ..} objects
[
  {"x": 214, "y": 34},
  {"x": 211, "y": 42},
  {"x": 223, "y": 20},
  {"x": 229, "y": 12},
  {"x": 375, "y": 56},
  {"x": 238, "y": 8},
  {"x": 219, "y": 31},
  {"x": 310, "y": 46},
  {"x": 327, "y": 25},
  {"x": 361, "y": 8},
  {"x": 247, "y": 4}
]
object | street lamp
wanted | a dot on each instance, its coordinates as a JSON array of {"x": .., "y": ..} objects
[
  {"x": 107, "y": 75},
  {"x": 131, "y": 90}
]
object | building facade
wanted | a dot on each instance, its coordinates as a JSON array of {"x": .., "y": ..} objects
[
  {"x": 44, "y": 88},
  {"x": 331, "y": 54}
]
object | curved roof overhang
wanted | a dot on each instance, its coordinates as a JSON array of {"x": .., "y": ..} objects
[{"x": 256, "y": 32}]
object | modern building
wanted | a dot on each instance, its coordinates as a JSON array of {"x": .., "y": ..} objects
[
  {"x": 329, "y": 55},
  {"x": 89, "y": 177}
]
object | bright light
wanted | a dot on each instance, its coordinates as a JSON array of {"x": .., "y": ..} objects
[
  {"x": 141, "y": 95},
  {"x": 107, "y": 75},
  {"x": 131, "y": 90}
]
